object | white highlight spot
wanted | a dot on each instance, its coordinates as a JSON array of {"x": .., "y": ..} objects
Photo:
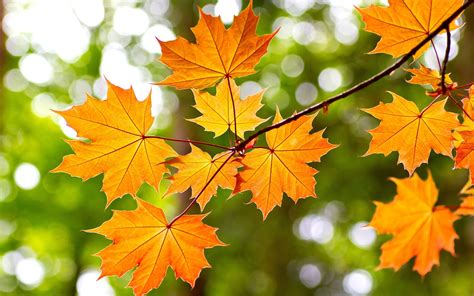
[
  {"x": 316, "y": 228},
  {"x": 330, "y": 79},
  {"x": 358, "y": 282},
  {"x": 130, "y": 21},
  {"x": 162, "y": 32},
  {"x": 30, "y": 272},
  {"x": 306, "y": 93},
  {"x": 227, "y": 9},
  {"x": 27, "y": 176},
  {"x": 292, "y": 65},
  {"x": 36, "y": 69},
  {"x": 249, "y": 88},
  {"x": 89, "y": 12},
  {"x": 362, "y": 235},
  {"x": 310, "y": 275},
  {"x": 88, "y": 285}
]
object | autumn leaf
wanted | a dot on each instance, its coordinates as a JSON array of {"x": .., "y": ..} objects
[
  {"x": 217, "y": 111},
  {"x": 143, "y": 238},
  {"x": 404, "y": 24},
  {"x": 413, "y": 134},
  {"x": 467, "y": 207},
  {"x": 419, "y": 228},
  {"x": 465, "y": 152},
  {"x": 282, "y": 167},
  {"x": 464, "y": 137},
  {"x": 118, "y": 147},
  {"x": 427, "y": 76},
  {"x": 217, "y": 53},
  {"x": 196, "y": 170}
]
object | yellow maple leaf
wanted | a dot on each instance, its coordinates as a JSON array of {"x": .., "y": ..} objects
[
  {"x": 143, "y": 238},
  {"x": 218, "y": 52},
  {"x": 425, "y": 75},
  {"x": 419, "y": 228},
  {"x": 119, "y": 147},
  {"x": 282, "y": 167},
  {"x": 413, "y": 134},
  {"x": 197, "y": 168},
  {"x": 217, "y": 111},
  {"x": 404, "y": 24}
]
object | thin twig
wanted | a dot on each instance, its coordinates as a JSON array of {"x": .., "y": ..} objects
[
  {"x": 194, "y": 200},
  {"x": 363, "y": 84},
  {"x": 233, "y": 109},
  {"x": 463, "y": 86},
  {"x": 459, "y": 105},
  {"x": 189, "y": 141},
  {"x": 437, "y": 55},
  {"x": 446, "y": 59}
]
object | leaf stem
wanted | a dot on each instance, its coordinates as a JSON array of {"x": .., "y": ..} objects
[
  {"x": 233, "y": 109},
  {"x": 189, "y": 141},
  {"x": 446, "y": 59},
  {"x": 362, "y": 85},
  {"x": 437, "y": 55},
  {"x": 463, "y": 86},
  {"x": 459, "y": 105},
  {"x": 194, "y": 200}
]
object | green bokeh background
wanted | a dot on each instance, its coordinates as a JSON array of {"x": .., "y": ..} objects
[{"x": 263, "y": 258}]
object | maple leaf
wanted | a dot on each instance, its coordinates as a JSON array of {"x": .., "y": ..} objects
[
  {"x": 464, "y": 152},
  {"x": 404, "y": 23},
  {"x": 218, "y": 52},
  {"x": 119, "y": 148},
  {"x": 412, "y": 133},
  {"x": 143, "y": 238},
  {"x": 464, "y": 137},
  {"x": 282, "y": 167},
  {"x": 419, "y": 228},
  {"x": 217, "y": 111},
  {"x": 197, "y": 168},
  {"x": 425, "y": 75},
  {"x": 467, "y": 207}
]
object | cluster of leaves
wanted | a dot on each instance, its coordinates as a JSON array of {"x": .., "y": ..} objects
[{"x": 119, "y": 146}]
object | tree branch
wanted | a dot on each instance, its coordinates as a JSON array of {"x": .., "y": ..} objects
[
  {"x": 364, "y": 84},
  {"x": 446, "y": 59}
]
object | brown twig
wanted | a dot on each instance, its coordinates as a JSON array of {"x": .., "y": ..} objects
[
  {"x": 459, "y": 105},
  {"x": 363, "y": 84},
  {"x": 446, "y": 59}
]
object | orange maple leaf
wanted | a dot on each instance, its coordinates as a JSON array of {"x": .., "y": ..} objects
[
  {"x": 217, "y": 111},
  {"x": 197, "y": 168},
  {"x": 425, "y": 75},
  {"x": 419, "y": 228},
  {"x": 412, "y": 133},
  {"x": 464, "y": 137},
  {"x": 465, "y": 151},
  {"x": 119, "y": 148},
  {"x": 467, "y": 206},
  {"x": 282, "y": 167},
  {"x": 404, "y": 24},
  {"x": 218, "y": 52},
  {"x": 143, "y": 238}
]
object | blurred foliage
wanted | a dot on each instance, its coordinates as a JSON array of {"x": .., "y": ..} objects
[{"x": 263, "y": 258}]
